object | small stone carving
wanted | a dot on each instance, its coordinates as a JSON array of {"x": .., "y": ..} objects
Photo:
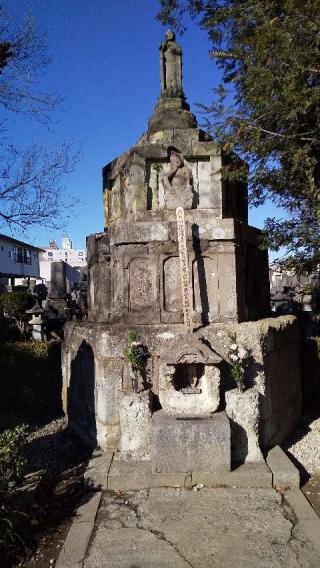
[
  {"x": 184, "y": 272},
  {"x": 177, "y": 183},
  {"x": 189, "y": 349},
  {"x": 171, "y": 66}
]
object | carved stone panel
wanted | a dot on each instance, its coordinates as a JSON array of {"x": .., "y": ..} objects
[
  {"x": 227, "y": 284},
  {"x": 206, "y": 287},
  {"x": 115, "y": 200},
  {"x": 142, "y": 285},
  {"x": 117, "y": 286},
  {"x": 165, "y": 169},
  {"x": 205, "y": 185},
  {"x": 172, "y": 285}
]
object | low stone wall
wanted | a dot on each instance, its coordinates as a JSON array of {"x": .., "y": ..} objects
[{"x": 97, "y": 378}]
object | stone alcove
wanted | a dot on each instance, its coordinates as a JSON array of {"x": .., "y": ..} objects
[{"x": 189, "y": 379}]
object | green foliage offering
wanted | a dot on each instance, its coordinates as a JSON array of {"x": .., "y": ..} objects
[
  {"x": 132, "y": 336},
  {"x": 136, "y": 355},
  {"x": 237, "y": 356},
  {"x": 12, "y": 467},
  {"x": 267, "y": 107},
  {"x": 31, "y": 377}
]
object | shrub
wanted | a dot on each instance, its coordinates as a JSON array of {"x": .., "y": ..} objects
[
  {"x": 12, "y": 460},
  {"x": 14, "y": 305},
  {"x": 12, "y": 466},
  {"x": 31, "y": 377}
]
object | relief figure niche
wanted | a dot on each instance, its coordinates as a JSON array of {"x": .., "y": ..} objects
[{"x": 177, "y": 183}]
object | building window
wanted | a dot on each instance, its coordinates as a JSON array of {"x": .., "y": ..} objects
[
  {"x": 27, "y": 258},
  {"x": 10, "y": 254},
  {"x": 2, "y": 248},
  {"x": 50, "y": 253},
  {"x": 80, "y": 253},
  {"x": 18, "y": 255}
]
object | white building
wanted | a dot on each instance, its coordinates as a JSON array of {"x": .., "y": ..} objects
[
  {"x": 18, "y": 259},
  {"x": 73, "y": 257}
]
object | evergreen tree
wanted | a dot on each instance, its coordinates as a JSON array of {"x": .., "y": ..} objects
[{"x": 267, "y": 107}]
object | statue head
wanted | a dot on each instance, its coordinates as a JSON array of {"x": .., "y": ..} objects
[
  {"x": 175, "y": 158},
  {"x": 170, "y": 35}
]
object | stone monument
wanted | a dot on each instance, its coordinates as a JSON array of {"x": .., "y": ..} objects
[{"x": 178, "y": 267}]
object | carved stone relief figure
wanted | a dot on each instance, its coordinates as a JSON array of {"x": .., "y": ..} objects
[
  {"x": 171, "y": 66},
  {"x": 177, "y": 183}
]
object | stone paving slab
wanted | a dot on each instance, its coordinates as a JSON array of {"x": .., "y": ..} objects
[
  {"x": 107, "y": 472},
  {"x": 285, "y": 473},
  {"x": 75, "y": 546},
  {"x": 208, "y": 528}
]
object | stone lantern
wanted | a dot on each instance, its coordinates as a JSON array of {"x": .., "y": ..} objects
[{"x": 37, "y": 322}]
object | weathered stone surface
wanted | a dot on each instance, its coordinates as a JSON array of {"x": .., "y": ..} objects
[
  {"x": 284, "y": 472},
  {"x": 206, "y": 195},
  {"x": 75, "y": 546},
  {"x": 135, "y": 424},
  {"x": 130, "y": 475},
  {"x": 210, "y": 528},
  {"x": 243, "y": 410},
  {"x": 58, "y": 280},
  {"x": 108, "y": 396},
  {"x": 264, "y": 339},
  {"x": 142, "y": 285},
  {"x": 139, "y": 232},
  {"x": 177, "y": 183},
  {"x": 172, "y": 297},
  {"x": 182, "y": 444},
  {"x": 200, "y": 395},
  {"x": 166, "y": 117}
]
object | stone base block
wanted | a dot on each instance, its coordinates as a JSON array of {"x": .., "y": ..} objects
[
  {"x": 135, "y": 417},
  {"x": 181, "y": 444},
  {"x": 111, "y": 472},
  {"x": 284, "y": 472}
]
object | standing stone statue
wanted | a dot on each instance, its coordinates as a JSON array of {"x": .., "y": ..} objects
[
  {"x": 177, "y": 183},
  {"x": 171, "y": 66}
]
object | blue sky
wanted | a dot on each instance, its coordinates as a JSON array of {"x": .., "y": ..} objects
[{"x": 105, "y": 66}]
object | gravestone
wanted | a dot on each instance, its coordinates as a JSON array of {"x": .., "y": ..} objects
[{"x": 178, "y": 265}]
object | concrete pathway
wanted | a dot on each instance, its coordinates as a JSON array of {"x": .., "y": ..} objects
[{"x": 208, "y": 528}]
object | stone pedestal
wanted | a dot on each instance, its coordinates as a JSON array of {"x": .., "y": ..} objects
[
  {"x": 181, "y": 444},
  {"x": 135, "y": 418},
  {"x": 243, "y": 409},
  {"x": 96, "y": 379}
]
